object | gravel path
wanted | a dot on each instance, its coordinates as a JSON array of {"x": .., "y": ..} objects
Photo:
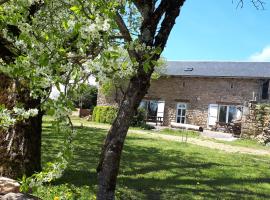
[
  {"x": 218, "y": 135},
  {"x": 204, "y": 143},
  {"x": 209, "y": 144}
]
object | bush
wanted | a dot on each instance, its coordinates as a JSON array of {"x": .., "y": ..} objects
[
  {"x": 139, "y": 119},
  {"x": 104, "y": 114}
]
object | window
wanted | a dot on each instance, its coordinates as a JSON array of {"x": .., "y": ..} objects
[
  {"x": 222, "y": 117},
  {"x": 181, "y": 113},
  {"x": 150, "y": 107},
  {"x": 153, "y": 108},
  {"x": 229, "y": 113},
  {"x": 265, "y": 87}
]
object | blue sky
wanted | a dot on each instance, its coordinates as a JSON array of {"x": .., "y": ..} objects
[{"x": 217, "y": 30}]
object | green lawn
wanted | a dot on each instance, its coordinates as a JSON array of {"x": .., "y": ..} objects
[
  {"x": 157, "y": 169},
  {"x": 182, "y": 133}
]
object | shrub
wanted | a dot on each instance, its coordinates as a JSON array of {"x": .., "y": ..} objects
[
  {"x": 139, "y": 119},
  {"x": 111, "y": 115},
  {"x": 104, "y": 114}
]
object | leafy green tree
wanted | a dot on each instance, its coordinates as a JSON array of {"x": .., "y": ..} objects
[
  {"x": 44, "y": 44},
  {"x": 145, "y": 34}
]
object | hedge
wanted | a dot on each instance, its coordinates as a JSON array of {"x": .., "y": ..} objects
[{"x": 106, "y": 114}]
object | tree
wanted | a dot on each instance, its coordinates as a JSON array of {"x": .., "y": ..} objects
[
  {"x": 43, "y": 44},
  {"x": 144, "y": 50},
  {"x": 87, "y": 97}
]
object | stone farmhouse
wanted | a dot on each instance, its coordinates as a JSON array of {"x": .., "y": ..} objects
[{"x": 204, "y": 93}]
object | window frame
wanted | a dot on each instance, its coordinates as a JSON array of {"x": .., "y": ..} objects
[
  {"x": 227, "y": 111},
  {"x": 146, "y": 105},
  {"x": 181, "y": 115}
]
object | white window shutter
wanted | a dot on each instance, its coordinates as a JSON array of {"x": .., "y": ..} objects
[
  {"x": 212, "y": 114},
  {"x": 160, "y": 110}
]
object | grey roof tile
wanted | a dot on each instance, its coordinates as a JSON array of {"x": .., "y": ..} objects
[{"x": 218, "y": 69}]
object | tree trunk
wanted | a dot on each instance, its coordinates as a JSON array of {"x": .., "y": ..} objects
[
  {"x": 19, "y": 145},
  {"x": 20, "y": 149},
  {"x": 111, "y": 152}
]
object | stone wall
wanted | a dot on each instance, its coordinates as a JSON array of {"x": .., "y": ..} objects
[
  {"x": 106, "y": 100},
  {"x": 198, "y": 93},
  {"x": 256, "y": 122}
]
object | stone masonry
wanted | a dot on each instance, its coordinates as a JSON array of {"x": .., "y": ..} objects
[
  {"x": 198, "y": 93},
  {"x": 256, "y": 122},
  {"x": 105, "y": 100}
]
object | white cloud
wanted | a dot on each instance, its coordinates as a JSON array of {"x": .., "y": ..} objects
[{"x": 262, "y": 56}]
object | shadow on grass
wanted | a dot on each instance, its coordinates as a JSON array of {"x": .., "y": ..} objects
[{"x": 158, "y": 172}]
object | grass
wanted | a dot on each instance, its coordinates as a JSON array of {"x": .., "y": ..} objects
[
  {"x": 177, "y": 132},
  {"x": 182, "y": 133},
  {"x": 245, "y": 143},
  {"x": 157, "y": 169}
]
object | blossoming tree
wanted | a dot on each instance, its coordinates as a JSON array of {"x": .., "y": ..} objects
[{"x": 43, "y": 44}]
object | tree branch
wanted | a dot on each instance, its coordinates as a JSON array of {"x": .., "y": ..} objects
[
  {"x": 163, "y": 6},
  {"x": 172, "y": 11},
  {"x": 125, "y": 33},
  {"x": 142, "y": 4},
  {"x": 123, "y": 28},
  {"x": 258, "y": 4},
  {"x": 139, "y": 5}
]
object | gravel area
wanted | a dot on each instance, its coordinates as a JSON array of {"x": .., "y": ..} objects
[{"x": 218, "y": 135}]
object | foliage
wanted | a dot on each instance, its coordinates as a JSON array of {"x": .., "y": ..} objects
[
  {"x": 87, "y": 97},
  {"x": 104, "y": 114},
  {"x": 53, "y": 44},
  {"x": 116, "y": 83},
  {"x": 53, "y": 170},
  {"x": 139, "y": 118},
  {"x": 9, "y": 117}
]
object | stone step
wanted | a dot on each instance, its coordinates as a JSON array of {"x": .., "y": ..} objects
[{"x": 10, "y": 190}]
